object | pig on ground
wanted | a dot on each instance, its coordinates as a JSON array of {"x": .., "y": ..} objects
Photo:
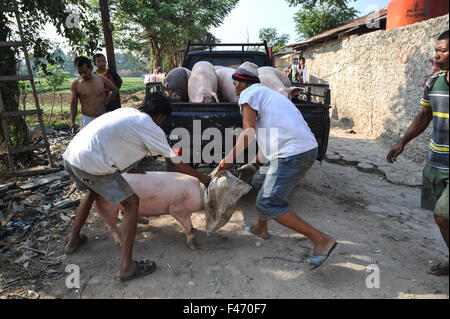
[
  {"x": 277, "y": 81},
  {"x": 176, "y": 84},
  {"x": 159, "y": 193},
  {"x": 226, "y": 87},
  {"x": 202, "y": 84}
]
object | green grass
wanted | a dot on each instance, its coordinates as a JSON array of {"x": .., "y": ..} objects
[
  {"x": 129, "y": 85},
  {"x": 132, "y": 84},
  {"x": 61, "y": 112},
  {"x": 61, "y": 118},
  {"x": 58, "y": 121}
]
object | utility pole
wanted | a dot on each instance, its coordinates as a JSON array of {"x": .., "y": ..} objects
[{"x": 107, "y": 33}]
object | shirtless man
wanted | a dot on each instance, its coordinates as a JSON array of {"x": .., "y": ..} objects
[{"x": 89, "y": 89}]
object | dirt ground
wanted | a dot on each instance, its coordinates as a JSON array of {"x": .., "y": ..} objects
[{"x": 372, "y": 209}]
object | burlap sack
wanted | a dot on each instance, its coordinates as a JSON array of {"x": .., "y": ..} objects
[{"x": 221, "y": 197}]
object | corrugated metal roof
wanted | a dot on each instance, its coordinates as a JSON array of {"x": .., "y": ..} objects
[{"x": 351, "y": 26}]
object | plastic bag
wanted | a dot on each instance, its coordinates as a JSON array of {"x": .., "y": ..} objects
[{"x": 221, "y": 197}]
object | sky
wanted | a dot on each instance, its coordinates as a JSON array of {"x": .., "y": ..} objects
[{"x": 249, "y": 16}]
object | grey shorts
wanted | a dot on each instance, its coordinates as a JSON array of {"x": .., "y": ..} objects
[{"x": 113, "y": 187}]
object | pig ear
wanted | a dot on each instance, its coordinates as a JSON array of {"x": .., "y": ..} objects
[{"x": 214, "y": 95}]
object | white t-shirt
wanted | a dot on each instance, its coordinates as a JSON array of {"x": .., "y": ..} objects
[
  {"x": 115, "y": 140},
  {"x": 281, "y": 130}
]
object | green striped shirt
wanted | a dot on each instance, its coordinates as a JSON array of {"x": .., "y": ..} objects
[{"x": 436, "y": 97}]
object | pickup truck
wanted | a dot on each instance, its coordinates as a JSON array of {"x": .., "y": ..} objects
[{"x": 195, "y": 118}]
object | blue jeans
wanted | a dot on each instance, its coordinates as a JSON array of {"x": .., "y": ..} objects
[{"x": 276, "y": 181}]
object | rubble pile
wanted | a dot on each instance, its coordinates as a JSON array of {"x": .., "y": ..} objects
[
  {"x": 35, "y": 218},
  {"x": 36, "y": 214}
]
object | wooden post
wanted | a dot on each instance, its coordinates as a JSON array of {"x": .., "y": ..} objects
[{"x": 107, "y": 33}]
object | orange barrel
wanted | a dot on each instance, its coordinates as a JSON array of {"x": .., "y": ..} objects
[{"x": 404, "y": 12}]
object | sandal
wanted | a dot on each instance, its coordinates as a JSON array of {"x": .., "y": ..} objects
[{"x": 143, "y": 268}]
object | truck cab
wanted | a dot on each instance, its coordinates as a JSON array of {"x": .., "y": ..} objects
[{"x": 227, "y": 57}]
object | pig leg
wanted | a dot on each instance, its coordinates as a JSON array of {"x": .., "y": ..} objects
[
  {"x": 116, "y": 235},
  {"x": 109, "y": 214},
  {"x": 184, "y": 219}
]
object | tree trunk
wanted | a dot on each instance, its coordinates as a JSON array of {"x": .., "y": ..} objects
[
  {"x": 60, "y": 104},
  {"x": 17, "y": 127},
  {"x": 51, "y": 110},
  {"x": 156, "y": 52}
]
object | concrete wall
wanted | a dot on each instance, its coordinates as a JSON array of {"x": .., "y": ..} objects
[{"x": 377, "y": 79}]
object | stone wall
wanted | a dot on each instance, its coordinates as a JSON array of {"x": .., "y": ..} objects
[{"x": 377, "y": 79}]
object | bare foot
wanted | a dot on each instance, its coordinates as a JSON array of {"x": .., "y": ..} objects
[
  {"x": 73, "y": 245},
  {"x": 254, "y": 229}
]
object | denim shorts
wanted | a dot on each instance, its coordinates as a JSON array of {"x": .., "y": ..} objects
[
  {"x": 113, "y": 187},
  {"x": 277, "y": 179}
]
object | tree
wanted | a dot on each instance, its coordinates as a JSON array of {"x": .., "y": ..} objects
[
  {"x": 271, "y": 36},
  {"x": 158, "y": 30},
  {"x": 35, "y": 15},
  {"x": 310, "y": 21},
  {"x": 55, "y": 77}
]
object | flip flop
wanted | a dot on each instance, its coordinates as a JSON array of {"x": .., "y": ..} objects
[
  {"x": 83, "y": 239},
  {"x": 441, "y": 269},
  {"x": 319, "y": 260},
  {"x": 249, "y": 229},
  {"x": 143, "y": 268}
]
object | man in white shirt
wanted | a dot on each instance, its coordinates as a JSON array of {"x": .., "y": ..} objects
[
  {"x": 286, "y": 141},
  {"x": 99, "y": 153}
]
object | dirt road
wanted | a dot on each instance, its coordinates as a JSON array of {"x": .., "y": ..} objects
[{"x": 372, "y": 209}]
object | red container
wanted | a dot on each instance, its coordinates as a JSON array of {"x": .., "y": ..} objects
[{"x": 404, "y": 12}]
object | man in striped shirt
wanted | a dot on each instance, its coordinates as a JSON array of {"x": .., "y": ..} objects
[{"x": 434, "y": 103}]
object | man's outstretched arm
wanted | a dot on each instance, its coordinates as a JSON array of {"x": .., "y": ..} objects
[{"x": 417, "y": 127}]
